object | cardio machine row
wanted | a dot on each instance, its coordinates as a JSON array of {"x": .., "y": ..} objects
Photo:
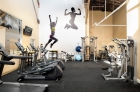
[{"x": 42, "y": 71}]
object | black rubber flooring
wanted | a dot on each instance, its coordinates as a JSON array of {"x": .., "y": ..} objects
[{"x": 81, "y": 77}]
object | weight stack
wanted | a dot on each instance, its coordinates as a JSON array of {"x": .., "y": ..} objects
[{"x": 130, "y": 72}]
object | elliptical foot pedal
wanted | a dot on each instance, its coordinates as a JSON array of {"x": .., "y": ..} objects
[
  {"x": 1, "y": 82},
  {"x": 126, "y": 79},
  {"x": 21, "y": 78},
  {"x": 104, "y": 68},
  {"x": 57, "y": 79}
]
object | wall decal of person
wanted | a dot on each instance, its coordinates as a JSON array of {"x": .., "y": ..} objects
[
  {"x": 52, "y": 27},
  {"x": 72, "y": 15}
]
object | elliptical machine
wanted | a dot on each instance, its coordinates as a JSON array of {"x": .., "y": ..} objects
[
  {"x": 45, "y": 72},
  {"x": 59, "y": 62}
]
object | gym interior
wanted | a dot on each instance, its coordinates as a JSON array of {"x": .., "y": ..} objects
[{"x": 69, "y": 45}]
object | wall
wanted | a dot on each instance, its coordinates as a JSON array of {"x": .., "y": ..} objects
[
  {"x": 119, "y": 18},
  {"x": 133, "y": 28},
  {"x": 67, "y": 39},
  {"x": 86, "y": 6},
  {"x": 24, "y": 10},
  {"x": 7, "y": 68},
  {"x": 2, "y": 36},
  {"x": 104, "y": 33}
]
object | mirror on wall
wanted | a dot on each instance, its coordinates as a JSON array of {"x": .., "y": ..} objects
[
  {"x": 9, "y": 21},
  {"x": 11, "y": 26}
]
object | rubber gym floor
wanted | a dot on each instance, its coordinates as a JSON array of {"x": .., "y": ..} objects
[{"x": 81, "y": 77}]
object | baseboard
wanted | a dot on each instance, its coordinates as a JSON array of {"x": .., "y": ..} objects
[
  {"x": 138, "y": 80},
  {"x": 9, "y": 71}
]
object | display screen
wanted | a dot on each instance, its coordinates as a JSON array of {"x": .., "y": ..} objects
[{"x": 27, "y": 31}]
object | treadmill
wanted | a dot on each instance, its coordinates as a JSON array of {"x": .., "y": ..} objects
[{"x": 19, "y": 87}]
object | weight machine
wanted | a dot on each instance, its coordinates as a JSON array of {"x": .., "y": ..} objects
[
  {"x": 132, "y": 61},
  {"x": 122, "y": 67},
  {"x": 103, "y": 53},
  {"x": 66, "y": 56},
  {"x": 85, "y": 54},
  {"x": 93, "y": 48},
  {"x": 128, "y": 65},
  {"x": 109, "y": 53},
  {"x": 89, "y": 52}
]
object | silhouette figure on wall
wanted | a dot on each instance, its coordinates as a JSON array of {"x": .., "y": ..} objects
[
  {"x": 52, "y": 27},
  {"x": 72, "y": 15}
]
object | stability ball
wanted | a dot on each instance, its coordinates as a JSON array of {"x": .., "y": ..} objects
[
  {"x": 78, "y": 57},
  {"x": 78, "y": 49}
]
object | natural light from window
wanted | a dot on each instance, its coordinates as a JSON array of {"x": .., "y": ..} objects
[{"x": 132, "y": 19}]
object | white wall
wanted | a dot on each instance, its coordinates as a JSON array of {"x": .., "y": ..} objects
[{"x": 67, "y": 39}]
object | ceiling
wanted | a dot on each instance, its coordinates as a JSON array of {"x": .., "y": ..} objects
[{"x": 100, "y": 4}]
